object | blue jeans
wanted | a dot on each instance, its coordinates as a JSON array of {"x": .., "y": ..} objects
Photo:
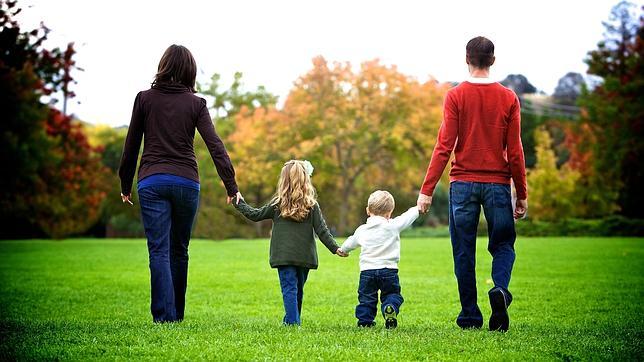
[
  {"x": 292, "y": 279},
  {"x": 168, "y": 212},
  {"x": 371, "y": 281},
  {"x": 465, "y": 200}
]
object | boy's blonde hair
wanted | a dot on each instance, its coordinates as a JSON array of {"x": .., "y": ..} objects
[
  {"x": 381, "y": 203},
  {"x": 295, "y": 194}
]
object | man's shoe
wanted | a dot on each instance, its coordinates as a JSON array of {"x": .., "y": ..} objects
[
  {"x": 390, "y": 317},
  {"x": 499, "y": 320}
]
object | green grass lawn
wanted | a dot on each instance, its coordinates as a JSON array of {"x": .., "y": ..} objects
[{"x": 574, "y": 298}]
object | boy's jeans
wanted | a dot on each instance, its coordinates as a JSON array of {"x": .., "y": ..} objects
[
  {"x": 292, "y": 279},
  {"x": 168, "y": 212},
  {"x": 385, "y": 280},
  {"x": 465, "y": 200}
]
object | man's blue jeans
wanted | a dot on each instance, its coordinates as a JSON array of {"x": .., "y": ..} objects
[
  {"x": 385, "y": 280},
  {"x": 465, "y": 200},
  {"x": 292, "y": 279},
  {"x": 168, "y": 212}
]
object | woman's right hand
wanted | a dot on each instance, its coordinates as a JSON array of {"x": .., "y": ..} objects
[
  {"x": 127, "y": 198},
  {"x": 237, "y": 197}
]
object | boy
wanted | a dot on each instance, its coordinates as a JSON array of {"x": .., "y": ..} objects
[{"x": 379, "y": 238}]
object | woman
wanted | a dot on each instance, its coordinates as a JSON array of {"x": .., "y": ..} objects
[{"x": 168, "y": 182}]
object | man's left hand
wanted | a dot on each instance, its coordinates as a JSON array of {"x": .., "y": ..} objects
[{"x": 424, "y": 202}]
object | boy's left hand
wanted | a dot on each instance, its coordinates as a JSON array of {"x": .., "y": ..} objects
[{"x": 341, "y": 253}]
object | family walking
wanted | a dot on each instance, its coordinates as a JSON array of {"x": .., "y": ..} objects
[{"x": 481, "y": 127}]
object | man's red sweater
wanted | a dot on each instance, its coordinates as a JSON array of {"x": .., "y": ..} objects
[{"x": 482, "y": 125}]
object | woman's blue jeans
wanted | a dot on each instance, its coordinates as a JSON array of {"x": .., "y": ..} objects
[
  {"x": 465, "y": 201},
  {"x": 168, "y": 213},
  {"x": 292, "y": 279}
]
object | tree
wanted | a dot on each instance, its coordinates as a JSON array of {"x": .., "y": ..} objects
[
  {"x": 261, "y": 145},
  {"x": 72, "y": 185},
  {"x": 238, "y": 115},
  {"x": 595, "y": 200},
  {"x": 229, "y": 102},
  {"x": 614, "y": 110},
  {"x": 552, "y": 190},
  {"x": 366, "y": 130},
  {"x": 116, "y": 220},
  {"x": 51, "y": 164}
]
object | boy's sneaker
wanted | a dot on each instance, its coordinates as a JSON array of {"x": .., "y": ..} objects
[
  {"x": 499, "y": 320},
  {"x": 390, "y": 317}
]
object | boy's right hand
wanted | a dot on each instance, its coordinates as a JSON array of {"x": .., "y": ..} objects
[{"x": 341, "y": 253}]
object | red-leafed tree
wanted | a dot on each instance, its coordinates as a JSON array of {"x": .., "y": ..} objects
[{"x": 53, "y": 182}]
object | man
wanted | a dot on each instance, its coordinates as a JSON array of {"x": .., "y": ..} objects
[{"x": 482, "y": 125}]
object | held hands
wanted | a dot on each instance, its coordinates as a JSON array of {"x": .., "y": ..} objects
[
  {"x": 237, "y": 197},
  {"x": 127, "y": 198},
  {"x": 341, "y": 253},
  {"x": 423, "y": 203},
  {"x": 520, "y": 209}
]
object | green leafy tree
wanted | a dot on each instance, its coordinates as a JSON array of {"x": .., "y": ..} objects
[
  {"x": 614, "y": 110},
  {"x": 215, "y": 219}
]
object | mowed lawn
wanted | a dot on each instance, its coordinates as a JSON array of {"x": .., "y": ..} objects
[{"x": 574, "y": 298}]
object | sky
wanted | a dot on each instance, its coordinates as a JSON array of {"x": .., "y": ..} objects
[{"x": 119, "y": 43}]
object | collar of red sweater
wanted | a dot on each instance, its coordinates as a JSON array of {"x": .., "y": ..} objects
[{"x": 474, "y": 80}]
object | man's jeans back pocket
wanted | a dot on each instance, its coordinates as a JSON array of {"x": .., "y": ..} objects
[
  {"x": 502, "y": 196},
  {"x": 460, "y": 191}
]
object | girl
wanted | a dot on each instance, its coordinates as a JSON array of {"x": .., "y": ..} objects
[
  {"x": 167, "y": 115},
  {"x": 296, "y": 215}
]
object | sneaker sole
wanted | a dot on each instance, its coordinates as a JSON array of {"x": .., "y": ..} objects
[
  {"x": 500, "y": 320},
  {"x": 390, "y": 317}
]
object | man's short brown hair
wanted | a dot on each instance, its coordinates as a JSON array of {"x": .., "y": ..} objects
[{"x": 480, "y": 52}]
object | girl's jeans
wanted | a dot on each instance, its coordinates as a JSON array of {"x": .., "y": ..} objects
[{"x": 292, "y": 279}]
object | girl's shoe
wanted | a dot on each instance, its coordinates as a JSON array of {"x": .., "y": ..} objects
[{"x": 390, "y": 317}]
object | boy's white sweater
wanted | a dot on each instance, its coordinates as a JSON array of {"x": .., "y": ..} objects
[{"x": 379, "y": 239}]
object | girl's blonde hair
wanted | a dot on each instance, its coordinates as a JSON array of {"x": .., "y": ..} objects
[{"x": 295, "y": 194}]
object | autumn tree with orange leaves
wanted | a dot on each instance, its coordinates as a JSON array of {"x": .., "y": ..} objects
[{"x": 362, "y": 130}]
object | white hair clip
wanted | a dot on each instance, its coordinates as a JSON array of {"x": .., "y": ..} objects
[{"x": 308, "y": 167}]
